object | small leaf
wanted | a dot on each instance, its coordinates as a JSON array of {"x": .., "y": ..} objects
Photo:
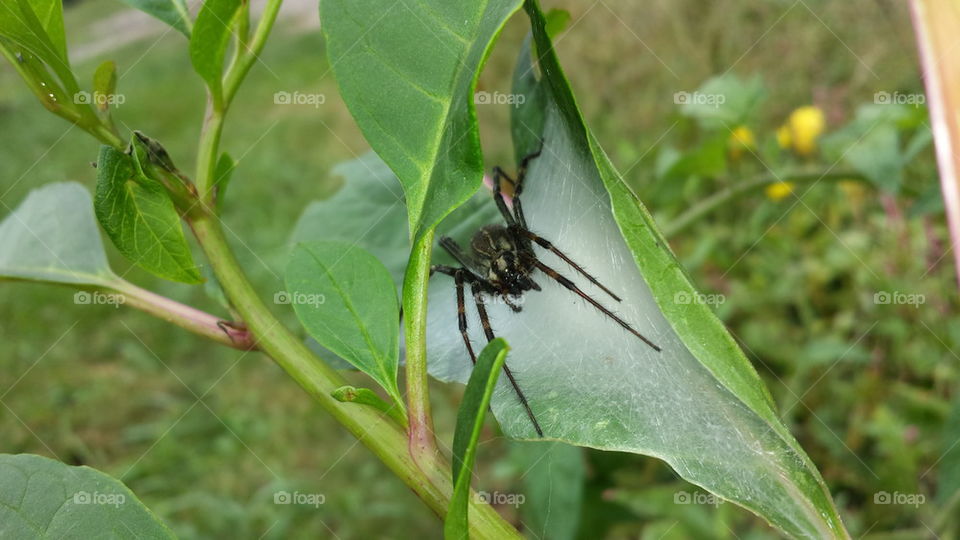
[
  {"x": 408, "y": 78},
  {"x": 137, "y": 214},
  {"x": 557, "y": 21},
  {"x": 221, "y": 177},
  {"x": 52, "y": 236},
  {"x": 722, "y": 102},
  {"x": 40, "y": 494},
  {"x": 208, "y": 43},
  {"x": 366, "y": 396},
  {"x": 172, "y": 12},
  {"x": 346, "y": 300},
  {"x": 105, "y": 84},
  {"x": 38, "y": 28},
  {"x": 473, "y": 408}
]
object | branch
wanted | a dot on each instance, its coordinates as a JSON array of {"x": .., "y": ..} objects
[{"x": 728, "y": 194}]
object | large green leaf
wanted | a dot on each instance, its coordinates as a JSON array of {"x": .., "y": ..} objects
[
  {"x": 473, "y": 409},
  {"x": 172, "y": 12},
  {"x": 208, "y": 43},
  {"x": 698, "y": 405},
  {"x": 346, "y": 300},
  {"x": 52, "y": 236},
  {"x": 407, "y": 72},
  {"x": 43, "y": 498},
  {"x": 138, "y": 215}
]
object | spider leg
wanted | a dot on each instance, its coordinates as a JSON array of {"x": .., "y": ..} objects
[
  {"x": 462, "y": 315},
  {"x": 485, "y": 321},
  {"x": 546, "y": 244},
  {"x": 570, "y": 285},
  {"x": 507, "y": 301},
  {"x": 453, "y": 248},
  {"x": 498, "y": 174},
  {"x": 518, "y": 185}
]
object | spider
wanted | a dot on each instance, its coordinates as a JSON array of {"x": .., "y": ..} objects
[{"x": 501, "y": 263}]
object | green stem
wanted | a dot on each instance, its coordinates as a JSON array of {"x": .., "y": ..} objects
[
  {"x": 246, "y": 58},
  {"x": 728, "y": 194},
  {"x": 184, "y": 316},
  {"x": 422, "y": 441}
]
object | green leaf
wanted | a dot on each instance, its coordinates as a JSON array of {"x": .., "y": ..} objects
[
  {"x": 699, "y": 405},
  {"x": 105, "y": 83},
  {"x": 877, "y": 156},
  {"x": 37, "y": 27},
  {"x": 346, "y": 300},
  {"x": 209, "y": 41},
  {"x": 137, "y": 214},
  {"x": 407, "y": 73},
  {"x": 172, "y": 12},
  {"x": 40, "y": 497},
  {"x": 553, "y": 475},
  {"x": 366, "y": 396},
  {"x": 52, "y": 236},
  {"x": 473, "y": 408},
  {"x": 722, "y": 102}
]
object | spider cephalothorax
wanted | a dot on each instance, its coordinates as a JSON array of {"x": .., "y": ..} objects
[{"x": 500, "y": 263}]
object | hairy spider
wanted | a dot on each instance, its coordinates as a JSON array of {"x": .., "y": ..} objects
[{"x": 501, "y": 262}]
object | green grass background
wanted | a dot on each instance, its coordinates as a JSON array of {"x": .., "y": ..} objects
[{"x": 206, "y": 435}]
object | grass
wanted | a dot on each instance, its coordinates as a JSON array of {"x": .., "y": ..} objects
[{"x": 206, "y": 435}]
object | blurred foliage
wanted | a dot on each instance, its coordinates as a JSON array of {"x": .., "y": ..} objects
[{"x": 206, "y": 436}]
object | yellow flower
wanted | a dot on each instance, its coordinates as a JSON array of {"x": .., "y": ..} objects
[
  {"x": 741, "y": 139},
  {"x": 803, "y": 128},
  {"x": 777, "y": 191}
]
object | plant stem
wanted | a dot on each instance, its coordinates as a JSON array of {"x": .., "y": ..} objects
[
  {"x": 184, "y": 316},
  {"x": 422, "y": 441},
  {"x": 728, "y": 194},
  {"x": 428, "y": 476},
  {"x": 249, "y": 55}
]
